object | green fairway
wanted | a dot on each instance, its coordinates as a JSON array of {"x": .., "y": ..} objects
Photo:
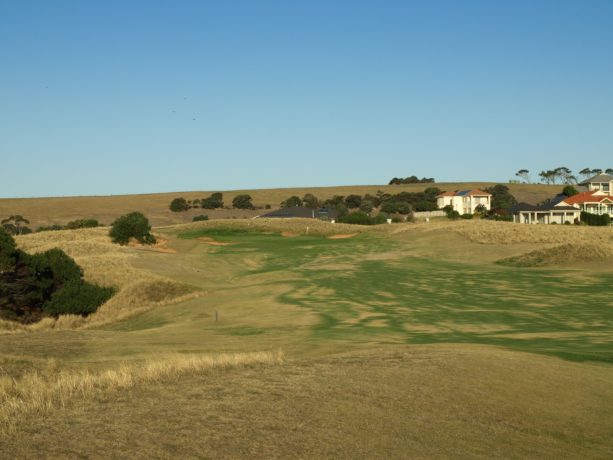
[{"x": 366, "y": 289}]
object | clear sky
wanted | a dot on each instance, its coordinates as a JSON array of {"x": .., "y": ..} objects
[{"x": 111, "y": 97}]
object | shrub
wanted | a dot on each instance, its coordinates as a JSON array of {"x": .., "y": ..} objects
[
  {"x": 242, "y": 202},
  {"x": 200, "y": 218},
  {"x": 214, "y": 201},
  {"x": 310, "y": 201},
  {"x": 396, "y": 207},
  {"x": 133, "y": 225},
  {"x": 466, "y": 216},
  {"x": 267, "y": 206},
  {"x": 361, "y": 218},
  {"x": 179, "y": 205},
  {"x": 569, "y": 190},
  {"x": 367, "y": 206},
  {"x": 291, "y": 202},
  {"x": 353, "y": 201},
  {"x": 82, "y": 223},
  {"x": 49, "y": 228},
  {"x": 77, "y": 297},
  {"x": 453, "y": 214},
  {"x": 595, "y": 219},
  {"x": 8, "y": 251}
]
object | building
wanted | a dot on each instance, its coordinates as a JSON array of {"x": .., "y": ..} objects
[
  {"x": 598, "y": 199},
  {"x": 600, "y": 183},
  {"x": 465, "y": 201}
]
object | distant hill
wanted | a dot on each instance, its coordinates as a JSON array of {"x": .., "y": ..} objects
[{"x": 60, "y": 210}]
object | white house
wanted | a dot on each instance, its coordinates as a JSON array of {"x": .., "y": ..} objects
[
  {"x": 598, "y": 199},
  {"x": 465, "y": 201}
]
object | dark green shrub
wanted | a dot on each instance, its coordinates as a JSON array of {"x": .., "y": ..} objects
[
  {"x": 361, "y": 218},
  {"x": 310, "y": 201},
  {"x": 595, "y": 219},
  {"x": 242, "y": 202},
  {"x": 453, "y": 214},
  {"x": 291, "y": 202},
  {"x": 200, "y": 218},
  {"x": 353, "y": 201},
  {"x": 134, "y": 225},
  {"x": 82, "y": 223},
  {"x": 396, "y": 207},
  {"x": 77, "y": 297},
  {"x": 215, "y": 201},
  {"x": 179, "y": 205},
  {"x": 569, "y": 190},
  {"x": 466, "y": 216},
  {"x": 367, "y": 206},
  {"x": 267, "y": 206},
  {"x": 8, "y": 252},
  {"x": 49, "y": 228}
]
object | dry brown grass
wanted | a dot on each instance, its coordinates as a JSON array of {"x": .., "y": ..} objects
[
  {"x": 60, "y": 210},
  {"x": 105, "y": 264},
  {"x": 433, "y": 401},
  {"x": 34, "y": 394}
]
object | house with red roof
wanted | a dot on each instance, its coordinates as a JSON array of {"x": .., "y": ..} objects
[
  {"x": 598, "y": 199},
  {"x": 465, "y": 201}
]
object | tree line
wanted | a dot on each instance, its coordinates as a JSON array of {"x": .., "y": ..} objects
[
  {"x": 562, "y": 175},
  {"x": 214, "y": 201}
]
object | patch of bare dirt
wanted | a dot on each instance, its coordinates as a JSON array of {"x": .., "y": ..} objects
[{"x": 342, "y": 236}]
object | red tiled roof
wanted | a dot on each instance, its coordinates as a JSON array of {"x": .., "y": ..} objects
[{"x": 586, "y": 197}]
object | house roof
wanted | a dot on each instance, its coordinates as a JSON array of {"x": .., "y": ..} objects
[
  {"x": 551, "y": 206},
  {"x": 586, "y": 197},
  {"x": 299, "y": 211},
  {"x": 474, "y": 192},
  {"x": 522, "y": 207},
  {"x": 597, "y": 179}
]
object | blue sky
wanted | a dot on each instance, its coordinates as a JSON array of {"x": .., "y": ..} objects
[{"x": 144, "y": 96}]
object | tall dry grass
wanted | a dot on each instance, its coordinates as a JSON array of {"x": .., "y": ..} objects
[
  {"x": 37, "y": 393},
  {"x": 562, "y": 255},
  {"x": 105, "y": 264}
]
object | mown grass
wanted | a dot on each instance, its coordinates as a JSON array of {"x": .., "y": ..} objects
[{"x": 415, "y": 300}]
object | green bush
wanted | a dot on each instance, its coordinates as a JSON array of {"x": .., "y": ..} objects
[
  {"x": 8, "y": 251},
  {"x": 291, "y": 202},
  {"x": 134, "y": 225},
  {"x": 200, "y": 218},
  {"x": 179, "y": 205},
  {"x": 214, "y": 201},
  {"x": 361, "y": 218},
  {"x": 82, "y": 223},
  {"x": 466, "y": 216},
  {"x": 453, "y": 214},
  {"x": 242, "y": 202},
  {"x": 595, "y": 219},
  {"x": 77, "y": 297}
]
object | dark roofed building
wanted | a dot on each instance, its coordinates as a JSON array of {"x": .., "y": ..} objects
[{"x": 302, "y": 212}]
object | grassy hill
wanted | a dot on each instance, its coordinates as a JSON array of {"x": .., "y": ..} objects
[
  {"x": 60, "y": 210},
  {"x": 396, "y": 338}
]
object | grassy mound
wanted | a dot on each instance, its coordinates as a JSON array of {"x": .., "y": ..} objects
[{"x": 561, "y": 255}]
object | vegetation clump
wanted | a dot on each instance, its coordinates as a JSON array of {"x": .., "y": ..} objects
[
  {"x": 595, "y": 220},
  {"x": 16, "y": 225},
  {"x": 242, "y": 202},
  {"x": 411, "y": 180},
  {"x": 361, "y": 218},
  {"x": 46, "y": 284},
  {"x": 134, "y": 225},
  {"x": 200, "y": 218},
  {"x": 215, "y": 201},
  {"x": 179, "y": 205}
]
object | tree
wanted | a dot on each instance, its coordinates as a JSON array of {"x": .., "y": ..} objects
[
  {"x": 501, "y": 197},
  {"x": 609, "y": 171},
  {"x": 524, "y": 174},
  {"x": 179, "y": 205},
  {"x": 291, "y": 202},
  {"x": 585, "y": 173},
  {"x": 15, "y": 225},
  {"x": 480, "y": 209},
  {"x": 569, "y": 190},
  {"x": 548, "y": 177},
  {"x": 310, "y": 201},
  {"x": 565, "y": 175},
  {"x": 366, "y": 206},
  {"x": 8, "y": 251},
  {"x": 214, "y": 201},
  {"x": 242, "y": 202},
  {"x": 353, "y": 201},
  {"x": 596, "y": 171},
  {"x": 134, "y": 225}
]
